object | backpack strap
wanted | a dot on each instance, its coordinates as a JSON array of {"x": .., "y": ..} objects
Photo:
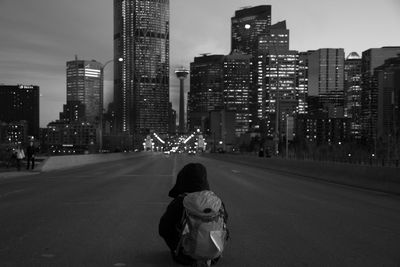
[{"x": 182, "y": 225}]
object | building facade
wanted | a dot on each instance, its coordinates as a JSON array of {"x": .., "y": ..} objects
[
  {"x": 371, "y": 59},
  {"x": 18, "y": 103},
  {"x": 85, "y": 85},
  {"x": 276, "y": 84},
  {"x": 247, "y": 24},
  {"x": 326, "y": 79},
  {"x": 388, "y": 113},
  {"x": 206, "y": 90},
  {"x": 141, "y": 80},
  {"x": 74, "y": 137},
  {"x": 236, "y": 89},
  {"x": 352, "y": 89}
]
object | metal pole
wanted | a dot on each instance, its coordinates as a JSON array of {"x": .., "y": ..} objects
[
  {"x": 277, "y": 106},
  {"x": 287, "y": 139}
]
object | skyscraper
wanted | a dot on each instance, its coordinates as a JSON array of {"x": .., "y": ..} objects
[
  {"x": 236, "y": 88},
  {"x": 302, "y": 82},
  {"x": 276, "y": 78},
  {"x": 141, "y": 81},
  {"x": 247, "y": 24},
  {"x": 20, "y": 102},
  {"x": 388, "y": 113},
  {"x": 206, "y": 89},
  {"x": 352, "y": 88},
  {"x": 371, "y": 59},
  {"x": 85, "y": 86},
  {"x": 326, "y": 79}
]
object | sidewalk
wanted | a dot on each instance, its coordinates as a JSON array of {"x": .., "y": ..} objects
[{"x": 13, "y": 172}]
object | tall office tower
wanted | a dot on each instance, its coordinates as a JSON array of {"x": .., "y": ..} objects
[
  {"x": 20, "y": 102},
  {"x": 236, "y": 88},
  {"x": 302, "y": 82},
  {"x": 275, "y": 38},
  {"x": 371, "y": 59},
  {"x": 206, "y": 89},
  {"x": 141, "y": 80},
  {"x": 181, "y": 74},
  {"x": 247, "y": 24},
  {"x": 85, "y": 85},
  {"x": 352, "y": 91},
  {"x": 276, "y": 79},
  {"x": 326, "y": 79},
  {"x": 388, "y": 117},
  {"x": 277, "y": 89}
]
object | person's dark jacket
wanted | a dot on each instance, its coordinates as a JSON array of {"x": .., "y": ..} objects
[
  {"x": 192, "y": 178},
  {"x": 30, "y": 151}
]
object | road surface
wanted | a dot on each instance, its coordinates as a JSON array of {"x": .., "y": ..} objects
[{"x": 107, "y": 215}]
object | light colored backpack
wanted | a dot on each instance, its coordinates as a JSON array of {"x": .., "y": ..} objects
[{"x": 204, "y": 231}]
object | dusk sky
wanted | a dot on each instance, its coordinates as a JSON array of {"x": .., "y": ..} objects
[{"x": 39, "y": 36}]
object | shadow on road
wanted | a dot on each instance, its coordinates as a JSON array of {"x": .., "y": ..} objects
[{"x": 155, "y": 258}]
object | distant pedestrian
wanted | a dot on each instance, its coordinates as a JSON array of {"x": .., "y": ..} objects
[
  {"x": 11, "y": 157},
  {"x": 20, "y": 155},
  {"x": 30, "y": 156},
  {"x": 194, "y": 224}
]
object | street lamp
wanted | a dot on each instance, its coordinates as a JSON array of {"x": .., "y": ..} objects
[{"x": 101, "y": 110}]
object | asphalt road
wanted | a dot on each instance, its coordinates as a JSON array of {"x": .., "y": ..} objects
[{"x": 107, "y": 215}]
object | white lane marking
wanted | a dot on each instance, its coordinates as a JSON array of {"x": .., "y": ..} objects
[
  {"x": 119, "y": 264},
  {"x": 235, "y": 171}
]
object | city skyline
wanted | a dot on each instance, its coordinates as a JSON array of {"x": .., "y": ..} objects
[{"x": 46, "y": 34}]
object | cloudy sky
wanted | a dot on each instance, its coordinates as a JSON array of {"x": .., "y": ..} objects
[{"x": 39, "y": 36}]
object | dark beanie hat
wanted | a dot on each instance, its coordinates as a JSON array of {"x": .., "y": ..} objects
[{"x": 192, "y": 178}]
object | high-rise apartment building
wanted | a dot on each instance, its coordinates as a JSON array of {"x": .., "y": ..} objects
[
  {"x": 371, "y": 59},
  {"x": 85, "y": 85},
  {"x": 352, "y": 92},
  {"x": 206, "y": 89},
  {"x": 141, "y": 80},
  {"x": 326, "y": 79},
  {"x": 20, "y": 102},
  {"x": 247, "y": 24}
]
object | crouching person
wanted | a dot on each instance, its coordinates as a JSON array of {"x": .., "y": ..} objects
[{"x": 194, "y": 225}]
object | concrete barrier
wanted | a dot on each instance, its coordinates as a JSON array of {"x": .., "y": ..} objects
[
  {"x": 385, "y": 179},
  {"x": 68, "y": 161}
]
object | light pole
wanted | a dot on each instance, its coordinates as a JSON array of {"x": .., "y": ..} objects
[
  {"x": 102, "y": 107},
  {"x": 277, "y": 103}
]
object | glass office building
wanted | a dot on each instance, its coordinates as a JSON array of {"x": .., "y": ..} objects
[
  {"x": 85, "y": 86},
  {"x": 20, "y": 103},
  {"x": 141, "y": 79}
]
